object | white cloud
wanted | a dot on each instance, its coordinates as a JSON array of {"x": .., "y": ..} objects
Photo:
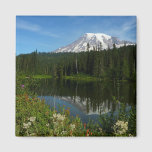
[
  {"x": 27, "y": 26},
  {"x": 123, "y": 32},
  {"x": 48, "y": 34},
  {"x": 21, "y": 24},
  {"x": 129, "y": 25}
]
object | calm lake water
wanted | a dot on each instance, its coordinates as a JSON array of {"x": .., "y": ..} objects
[{"x": 87, "y": 99}]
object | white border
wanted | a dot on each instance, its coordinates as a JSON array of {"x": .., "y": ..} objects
[{"x": 9, "y": 9}]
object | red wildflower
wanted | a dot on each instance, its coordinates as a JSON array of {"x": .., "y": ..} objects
[
  {"x": 67, "y": 112},
  {"x": 46, "y": 112},
  {"x": 87, "y": 132},
  {"x": 70, "y": 133},
  {"x": 84, "y": 125},
  {"x": 26, "y": 97}
]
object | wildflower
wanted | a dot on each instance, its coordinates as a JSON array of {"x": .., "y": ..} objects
[
  {"x": 26, "y": 97},
  {"x": 54, "y": 115},
  {"x": 71, "y": 133},
  {"x": 87, "y": 133},
  {"x": 59, "y": 117},
  {"x": 22, "y": 85},
  {"x": 26, "y": 126},
  {"x": 32, "y": 119},
  {"x": 47, "y": 125},
  {"x": 84, "y": 125},
  {"x": 55, "y": 123},
  {"x": 67, "y": 112},
  {"x": 29, "y": 123},
  {"x": 120, "y": 127},
  {"x": 130, "y": 135},
  {"x": 72, "y": 126},
  {"x": 46, "y": 112},
  {"x": 32, "y": 134},
  {"x": 100, "y": 129},
  {"x": 63, "y": 132}
]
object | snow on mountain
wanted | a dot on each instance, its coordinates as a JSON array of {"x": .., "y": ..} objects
[{"x": 94, "y": 39}]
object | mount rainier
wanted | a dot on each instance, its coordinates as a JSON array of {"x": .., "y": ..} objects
[{"x": 93, "y": 39}]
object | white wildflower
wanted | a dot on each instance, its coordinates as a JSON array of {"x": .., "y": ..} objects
[
  {"x": 100, "y": 130},
  {"x": 29, "y": 123},
  {"x": 32, "y": 119},
  {"x": 63, "y": 132},
  {"x": 56, "y": 124},
  {"x": 54, "y": 115},
  {"x": 120, "y": 127},
  {"x": 58, "y": 120},
  {"x": 47, "y": 125},
  {"x": 32, "y": 134},
  {"x": 72, "y": 126},
  {"x": 130, "y": 135},
  {"x": 59, "y": 117},
  {"x": 26, "y": 126}
]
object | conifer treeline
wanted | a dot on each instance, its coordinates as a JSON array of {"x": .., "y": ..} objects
[{"x": 112, "y": 63}]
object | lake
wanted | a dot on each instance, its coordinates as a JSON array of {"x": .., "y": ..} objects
[{"x": 88, "y": 100}]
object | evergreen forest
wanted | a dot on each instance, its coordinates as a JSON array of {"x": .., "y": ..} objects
[{"x": 116, "y": 63}]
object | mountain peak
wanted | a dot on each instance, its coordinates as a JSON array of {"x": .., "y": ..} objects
[
  {"x": 94, "y": 39},
  {"x": 96, "y": 34},
  {"x": 99, "y": 36}
]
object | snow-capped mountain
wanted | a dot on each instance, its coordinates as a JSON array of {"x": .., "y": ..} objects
[{"x": 94, "y": 39}]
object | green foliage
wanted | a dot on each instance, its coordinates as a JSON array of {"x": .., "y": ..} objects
[
  {"x": 41, "y": 76},
  {"x": 107, "y": 121},
  {"x": 81, "y": 77},
  {"x": 116, "y": 63},
  {"x": 132, "y": 122},
  {"x": 126, "y": 73}
]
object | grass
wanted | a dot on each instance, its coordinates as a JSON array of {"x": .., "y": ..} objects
[
  {"x": 37, "y": 76},
  {"x": 76, "y": 77},
  {"x": 41, "y": 76},
  {"x": 81, "y": 77}
]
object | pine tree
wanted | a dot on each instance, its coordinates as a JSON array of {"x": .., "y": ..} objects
[
  {"x": 100, "y": 46},
  {"x": 125, "y": 70},
  {"x": 88, "y": 46},
  {"x": 76, "y": 64}
]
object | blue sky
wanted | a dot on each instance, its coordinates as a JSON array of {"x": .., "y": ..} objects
[{"x": 47, "y": 33}]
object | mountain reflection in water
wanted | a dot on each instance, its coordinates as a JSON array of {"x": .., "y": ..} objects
[{"x": 87, "y": 99}]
